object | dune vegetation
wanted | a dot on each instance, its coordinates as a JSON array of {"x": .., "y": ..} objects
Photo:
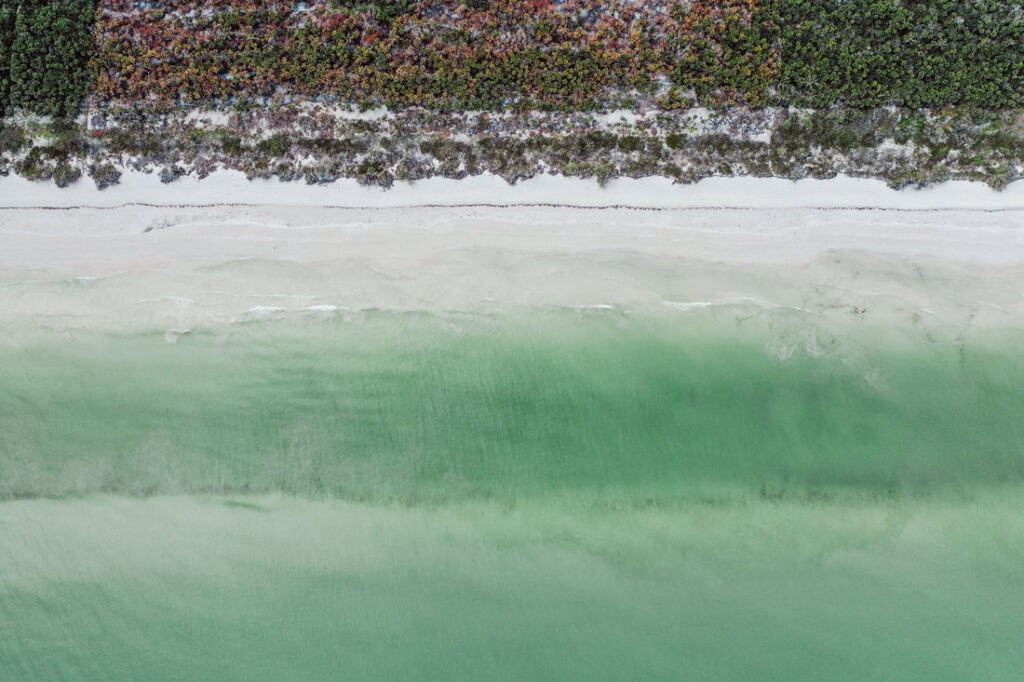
[{"x": 785, "y": 62}]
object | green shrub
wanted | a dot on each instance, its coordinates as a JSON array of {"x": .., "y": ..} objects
[
  {"x": 630, "y": 143},
  {"x": 104, "y": 175},
  {"x": 65, "y": 174},
  {"x": 675, "y": 141},
  {"x": 277, "y": 145},
  {"x": 230, "y": 143},
  {"x": 12, "y": 139}
]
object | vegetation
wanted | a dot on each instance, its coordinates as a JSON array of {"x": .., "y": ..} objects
[
  {"x": 910, "y": 90},
  {"x": 382, "y": 10},
  {"x": 902, "y": 146},
  {"x": 514, "y": 54},
  {"x": 12, "y": 139},
  {"x": 7, "y": 16},
  {"x": 45, "y": 47},
  {"x": 440, "y": 54},
  {"x": 725, "y": 50},
  {"x": 911, "y": 53}
]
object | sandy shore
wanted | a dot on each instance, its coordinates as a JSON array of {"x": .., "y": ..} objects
[
  {"x": 231, "y": 187},
  {"x": 953, "y": 255},
  {"x": 177, "y": 267}
]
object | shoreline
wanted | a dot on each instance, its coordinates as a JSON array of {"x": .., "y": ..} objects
[
  {"x": 177, "y": 269},
  {"x": 226, "y": 188},
  {"x": 193, "y": 256}
]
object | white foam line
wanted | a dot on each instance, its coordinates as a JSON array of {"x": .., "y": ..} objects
[{"x": 681, "y": 305}]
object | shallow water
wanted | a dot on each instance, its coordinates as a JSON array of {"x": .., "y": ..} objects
[
  {"x": 424, "y": 407},
  {"x": 732, "y": 491},
  {"x": 271, "y": 588}
]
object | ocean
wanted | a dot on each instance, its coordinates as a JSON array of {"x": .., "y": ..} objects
[{"x": 731, "y": 489}]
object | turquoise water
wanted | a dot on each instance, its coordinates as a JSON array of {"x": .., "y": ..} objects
[
  {"x": 426, "y": 408},
  {"x": 174, "y": 588},
  {"x": 547, "y": 495}
]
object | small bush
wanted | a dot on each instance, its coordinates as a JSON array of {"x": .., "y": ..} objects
[
  {"x": 104, "y": 175},
  {"x": 12, "y": 139},
  {"x": 65, "y": 174},
  {"x": 630, "y": 143},
  {"x": 231, "y": 143},
  {"x": 275, "y": 146},
  {"x": 675, "y": 141}
]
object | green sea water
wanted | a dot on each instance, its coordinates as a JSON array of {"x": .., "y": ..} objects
[
  {"x": 551, "y": 494},
  {"x": 412, "y": 408}
]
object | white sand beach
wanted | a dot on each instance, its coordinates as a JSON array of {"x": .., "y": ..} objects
[
  {"x": 951, "y": 256},
  {"x": 232, "y": 187}
]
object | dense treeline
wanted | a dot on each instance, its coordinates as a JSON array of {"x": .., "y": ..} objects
[
  {"x": 913, "y": 53},
  {"x": 514, "y": 54},
  {"x": 7, "y": 14},
  {"x": 45, "y": 48}
]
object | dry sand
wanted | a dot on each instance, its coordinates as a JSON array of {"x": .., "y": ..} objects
[{"x": 956, "y": 261}]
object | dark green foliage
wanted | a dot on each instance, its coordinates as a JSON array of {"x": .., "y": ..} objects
[
  {"x": 65, "y": 174},
  {"x": 12, "y": 139},
  {"x": 230, "y": 143},
  {"x": 675, "y": 141},
  {"x": 958, "y": 143},
  {"x": 373, "y": 171},
  {"x": 104, "y": 175},
  {"x": 332, "y": 146},
  {"x": 842, "y": 129},
  {"x": 630, "y": 143},
  {"x": 45, "y": 50},
  {"x": 725, "y": 50},
  {"x": 7, "y": 14},
  {"x": 134, "y": 141},
  {"x": 599, "y": 139},
  {"x": 912, "y": 53},
  {"x": 276, "y": 145}
]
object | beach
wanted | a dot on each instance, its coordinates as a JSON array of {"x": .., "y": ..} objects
[{"x": 748, "y": 428}]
